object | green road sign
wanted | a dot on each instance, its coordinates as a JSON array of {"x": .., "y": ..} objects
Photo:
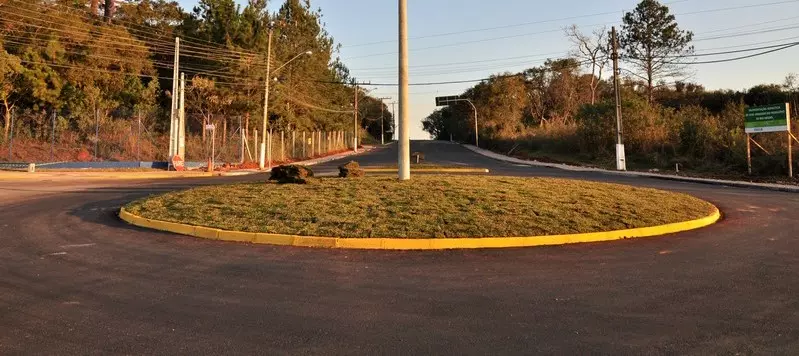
[
  {"x": 769, "y": 118},
  {"x": 447, "y": 100}
]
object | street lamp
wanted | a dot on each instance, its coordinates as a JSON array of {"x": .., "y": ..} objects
[{"x": 262, "y": 156}]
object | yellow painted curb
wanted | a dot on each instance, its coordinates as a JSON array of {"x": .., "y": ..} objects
[
  {"x": 417, "y": 244},
  {"x": 428, "y": 170}
]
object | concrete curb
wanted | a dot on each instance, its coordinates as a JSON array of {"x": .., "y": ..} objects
[
  {"x": 415, "y": 244},
  {"x": 729, "y": 183}
]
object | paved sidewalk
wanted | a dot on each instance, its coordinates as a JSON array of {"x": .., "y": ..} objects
[{"x": 731, "y": 183}]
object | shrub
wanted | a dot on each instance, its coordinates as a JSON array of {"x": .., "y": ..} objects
[
  {"x": 350, "y": 170},
  {"x": 291, "y": 174}
]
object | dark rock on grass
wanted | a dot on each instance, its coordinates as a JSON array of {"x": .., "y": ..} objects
[
  {"x": 291, "y": 174},
  {"x": 351, "y": 170}
]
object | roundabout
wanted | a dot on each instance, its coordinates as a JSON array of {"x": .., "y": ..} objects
[
  {"x": 430, "y": 212},
  {"x": 78, "y": 280}
]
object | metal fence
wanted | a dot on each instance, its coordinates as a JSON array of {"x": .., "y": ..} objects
[{"x": 136, "y": 139}]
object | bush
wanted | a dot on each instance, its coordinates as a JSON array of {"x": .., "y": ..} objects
[
  {"x": 291, "y": 174},
  {"x": 350, "y": 170}
]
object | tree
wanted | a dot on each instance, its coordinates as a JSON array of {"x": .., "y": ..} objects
[
  {"x": 10, "y": 68},
  {"x": 651, "y": 41},
  {"x": 592, "y": 50}
]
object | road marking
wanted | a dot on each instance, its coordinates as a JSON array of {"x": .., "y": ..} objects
[
  {"x": 56, "y": 254},
  {"x": 77, "y": 246}
]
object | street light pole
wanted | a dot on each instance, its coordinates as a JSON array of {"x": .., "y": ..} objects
[
  {"x": 262, "y": 154},
  {"x": 404, "y": 155},
  {"x": 621, "y": 160},
  {"x": 267, "y": 80}
]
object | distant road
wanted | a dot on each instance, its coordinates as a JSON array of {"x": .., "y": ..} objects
[{"x": 74, "y": 279}]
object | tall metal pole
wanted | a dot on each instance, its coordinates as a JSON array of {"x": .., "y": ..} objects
[
  {"x": 621, "y": 161},
  {"x": 476, "y": 132},
  {"x": 262, "y": 157},
  {"x": 404, "y": 155},
  {"x": 173, "y": 111}
]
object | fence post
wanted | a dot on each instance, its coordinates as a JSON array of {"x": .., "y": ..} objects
[
  {"x": 138, "y": 136},
  {"x": 293, "y": 144},
  {"x": 243, "y": 137},
  {"x": 96, "y": 133},
  {"x": 11, "y": 138},
  {"x": 269, "y": 147}
]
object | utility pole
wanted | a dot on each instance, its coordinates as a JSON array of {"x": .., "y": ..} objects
[
  {"x": 262, "y": 157},
  {"x": 173, "y": 148},
  {"x": 621, "y": 162},
  {"x": 404, "y": 155},
  {"x": 355, "y": 126}
]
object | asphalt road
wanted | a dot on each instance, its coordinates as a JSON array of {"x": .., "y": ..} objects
[{"x": 74, "y": 279}]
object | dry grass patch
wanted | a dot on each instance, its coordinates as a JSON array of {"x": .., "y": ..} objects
[{"x": 437, "y": 206}]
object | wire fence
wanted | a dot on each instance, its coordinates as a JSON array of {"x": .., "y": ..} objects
[{"x": 139, "y": 138}]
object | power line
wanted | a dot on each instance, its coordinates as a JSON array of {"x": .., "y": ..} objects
[
  {"x": 558, "y": 30},
  {"x": 742, "y": 57},
  {"x": 504, "y": 26}
]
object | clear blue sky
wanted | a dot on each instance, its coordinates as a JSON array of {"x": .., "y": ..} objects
[{"x": 367, "y": 30}]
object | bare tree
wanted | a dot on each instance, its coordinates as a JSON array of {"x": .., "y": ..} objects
[{"x": 591, "y": 50}]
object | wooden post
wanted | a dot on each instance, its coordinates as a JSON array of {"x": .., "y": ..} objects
[
  {"x": 282, "y": 148},
  {"x": 243, "y": 138},
  {"x": 293, "y": 144},
  {"x": 749, "y": 153},
  {"x": 790, "y": 154},
  {"x": 256, "y": 147},
  {"x": 304, "y": 145}
]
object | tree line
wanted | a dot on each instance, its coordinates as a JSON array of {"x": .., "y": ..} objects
[
  {"x": 564, "y": 110},
  {"x": 69, "y": 69}
]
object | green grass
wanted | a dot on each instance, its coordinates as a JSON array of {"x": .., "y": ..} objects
[{"x": 437, "y": 206}]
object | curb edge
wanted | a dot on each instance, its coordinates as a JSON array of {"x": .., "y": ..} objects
[{"x": 417, "y": 244}]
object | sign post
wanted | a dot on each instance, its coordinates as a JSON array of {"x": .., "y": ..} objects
[
  {"x": 768, "y": 118},
  {"x": 449, "y": 100}
]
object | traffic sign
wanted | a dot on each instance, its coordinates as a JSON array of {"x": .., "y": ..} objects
[
  {"x": 210, "y": 127},
  {"x": 178, "y": 163},
  {"x": 447, "y": 100}
]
